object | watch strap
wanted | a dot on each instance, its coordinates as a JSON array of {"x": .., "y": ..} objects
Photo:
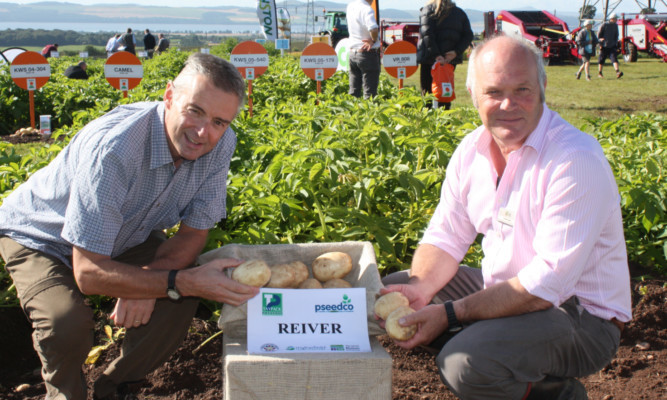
[
  {"x": 171, "y": 279},
  {"x": 453, "y": 323}
]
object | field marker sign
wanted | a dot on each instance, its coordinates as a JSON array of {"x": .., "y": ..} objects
[
  {"x": 252, "y": 60},
  {"x": 123, "y": 71},
  {"x": 319, "y": 62},
  {"x": 400, "y": 60},
  {"x": 30, "y": 71}
]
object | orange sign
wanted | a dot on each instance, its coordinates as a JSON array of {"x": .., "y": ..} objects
[
  {"x": 400, "y": 59},
  {"x": 123, "y": 70},
  {"x": 319, "y": 61},
  {"x": 250, "y": 58},
  {"x": 30, "y": 70}
]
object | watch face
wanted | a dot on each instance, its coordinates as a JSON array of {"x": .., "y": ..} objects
[{"x": 173, "y": 294}]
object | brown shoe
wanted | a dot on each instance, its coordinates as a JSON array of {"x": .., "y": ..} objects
[
  {"x": 619, "y": 74},
  {"x": 600, "y": 75}
]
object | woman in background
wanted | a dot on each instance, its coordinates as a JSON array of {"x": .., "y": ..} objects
[{"x": 445, "y": 34}]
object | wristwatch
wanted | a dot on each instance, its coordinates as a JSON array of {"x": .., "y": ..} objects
[
  {"x": 172, "y": 293},
  {"x": 452, "y": 321}
]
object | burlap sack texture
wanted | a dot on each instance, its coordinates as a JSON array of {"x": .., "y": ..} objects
[{"x": 233, "y": 320}]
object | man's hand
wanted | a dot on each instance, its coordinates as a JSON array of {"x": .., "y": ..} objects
[
  {"x": 431, "y": 322},
  {"x": 211, "y": 282},
  {"x": 417, "y": 301},
  {"x": 131, "y": 313}
]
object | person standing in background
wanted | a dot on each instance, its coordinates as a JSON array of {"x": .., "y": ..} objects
[
  {"x": 162, "y": 44},
  {"x": 113, "y": 45},
  {"x": 364, "y": 50},
  {"x": 130, "y": 42},
  {"x": 586, "y": 42},
  {"x": 444, "y": 35},
  {"x": 608, "y": 37},
  {"x": 149, "y": 43}
]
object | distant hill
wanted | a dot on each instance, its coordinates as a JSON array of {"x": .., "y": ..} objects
[{"x": 63, "y": 12}]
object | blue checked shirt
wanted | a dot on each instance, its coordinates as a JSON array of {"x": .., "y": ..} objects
[{"x": 114, "y": 184}]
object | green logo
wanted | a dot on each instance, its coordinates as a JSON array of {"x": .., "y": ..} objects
[
  {"x": 272, "y": 304},
  {"x": 337, "y": 347}
]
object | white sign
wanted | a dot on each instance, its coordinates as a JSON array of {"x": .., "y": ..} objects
[
  {"x": 249, "y": 60},
  {"x": 308, "y": 321},
  {"x": 30, "y": 71},
  {"x": 83, "y": 54},
  {"x": 55, "y": 54},
  {"x": 399, "y": 60},
  {"x": 342, "y": 50},
  {"x": 142, "y": 54},
  {"x": 123, "y": 71},
  {"x": 319, "y": 61},
  {"x": 205, "y": 50},
  {"x": 266, "y": 13},
  {"x": 31, "y": 83}
]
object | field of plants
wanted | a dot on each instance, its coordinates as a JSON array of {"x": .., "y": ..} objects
[{"x": 329, "y": 167}]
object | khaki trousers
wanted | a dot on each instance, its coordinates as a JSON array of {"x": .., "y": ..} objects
[{"x": 63, "y": 325}]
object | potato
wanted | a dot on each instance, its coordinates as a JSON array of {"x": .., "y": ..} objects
[
  {"x": 336, "y": 283},
  {"x": 282, "y": 276},
  {"x": 310, "y": 283},
  {"x": 388, "y": 303},
  {"x": 396, "y": 331},
  {"x": 253, "y": 273},
  {"x": 301, "y": 272},
  {"x": 331, "y": 265}
]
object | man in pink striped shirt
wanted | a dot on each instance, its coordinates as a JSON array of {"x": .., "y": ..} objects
[{"x": 550, "y": 300}]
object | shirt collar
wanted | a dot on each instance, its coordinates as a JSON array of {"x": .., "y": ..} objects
[
  {"x": 160, "y": 153},
  {"x": 535, "y": 140}
]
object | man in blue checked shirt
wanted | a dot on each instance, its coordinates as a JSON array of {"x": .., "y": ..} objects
[{"x": 92, "y": 221}]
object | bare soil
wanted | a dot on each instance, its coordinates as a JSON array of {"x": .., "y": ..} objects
[{"x": 637, "y": 372}]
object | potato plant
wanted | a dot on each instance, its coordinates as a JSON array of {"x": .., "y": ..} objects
[{"x": 329, "y": 167}]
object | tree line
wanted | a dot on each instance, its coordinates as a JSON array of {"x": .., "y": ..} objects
[{"x": 42, "y": 37}]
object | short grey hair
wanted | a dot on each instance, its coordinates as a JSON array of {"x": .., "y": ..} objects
[
  {"x": 221, "y": 72},
  {"x": 528, "y": 47}
]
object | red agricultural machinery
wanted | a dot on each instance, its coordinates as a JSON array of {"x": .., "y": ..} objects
[
  {"x": 394, "y": 31},
  {"x": 548, "y": 32},
  {"x": 643, "y": 32}
]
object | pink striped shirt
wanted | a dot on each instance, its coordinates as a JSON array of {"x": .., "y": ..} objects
[{"x": 554, "y": 220}]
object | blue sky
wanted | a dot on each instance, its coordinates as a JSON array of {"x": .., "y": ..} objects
[{"x": 561, "y": 5}]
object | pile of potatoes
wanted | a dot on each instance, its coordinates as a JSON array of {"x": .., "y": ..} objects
[
  {"x": 328, "y": 271},
  {"x": 391, "y": 307},
  {"x": 26, "y": 132}
]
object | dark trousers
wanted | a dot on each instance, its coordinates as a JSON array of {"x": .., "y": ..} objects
[
  {"x": 364, "y": 73},
  {"x": 497, "y": 358}
]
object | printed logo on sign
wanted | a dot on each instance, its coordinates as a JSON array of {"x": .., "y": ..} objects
[
  {"x": 32, "y": 84},
  {"x": 337, "y": 347},
  {"x": 344, "y": 306},
  {"x": 272, "y": 304},
  {"x": 124, "y": 84},
  {"x": 269, "y": 348},
  {"x": 401, "y": 73},
  {"x": 250, "y": 73}
]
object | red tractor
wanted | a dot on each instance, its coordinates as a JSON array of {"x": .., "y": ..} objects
[{"x": 643, "y": 32}]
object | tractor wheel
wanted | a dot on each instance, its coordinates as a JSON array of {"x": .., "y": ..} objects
[{"x": 630, "y": 52}]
